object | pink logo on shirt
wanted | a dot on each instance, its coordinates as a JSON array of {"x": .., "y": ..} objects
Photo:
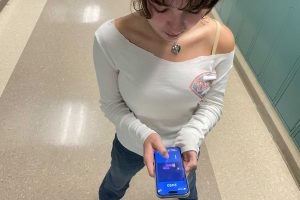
[{"x": 201, "y": 84}]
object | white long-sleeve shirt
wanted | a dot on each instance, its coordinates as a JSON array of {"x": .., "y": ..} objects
[{"x": 141, "y": 93}]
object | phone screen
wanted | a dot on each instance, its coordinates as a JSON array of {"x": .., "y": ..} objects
[{"x": 170, "y": 175}]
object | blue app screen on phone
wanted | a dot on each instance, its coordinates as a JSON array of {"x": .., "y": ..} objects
[{"x": 170, "y": 175}]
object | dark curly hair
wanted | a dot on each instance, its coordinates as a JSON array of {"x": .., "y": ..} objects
[{"x": 192, "y": 5}]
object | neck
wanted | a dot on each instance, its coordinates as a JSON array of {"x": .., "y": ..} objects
[{"x": 149, "y": 30}]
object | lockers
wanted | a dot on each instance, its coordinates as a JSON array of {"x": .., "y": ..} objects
[
  {"x": 289, "y": 103},
  {"x": 297, "y": 139},
  {"x": 268, "y": 34}
]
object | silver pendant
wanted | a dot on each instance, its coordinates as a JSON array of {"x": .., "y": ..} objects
[{"x": 175, "y": 49}]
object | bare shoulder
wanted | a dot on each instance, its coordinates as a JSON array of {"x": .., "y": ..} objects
[
  {"x": 226, "y": 41},
  {"x": 122, "y": 22},
  {"x": 133, "y": 28},
  {"x": 127, "y": 24}
]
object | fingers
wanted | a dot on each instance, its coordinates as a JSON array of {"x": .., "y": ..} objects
[
  {"x": 162, "y": 150},
  {"x": 149, "y": 159},
  {"x": 189, "y": 160},
  {"x": 185, "y": 163},
  {"x": 151, "y": 143}
]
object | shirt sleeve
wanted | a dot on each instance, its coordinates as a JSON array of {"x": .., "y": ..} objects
[
  {"x": 208, "y": 112},
  {"x": 111, "y": 101}
]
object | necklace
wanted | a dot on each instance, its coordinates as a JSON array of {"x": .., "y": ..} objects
[{"x": 175, "y": 48}]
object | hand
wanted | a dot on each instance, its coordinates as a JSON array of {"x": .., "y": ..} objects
[
  {"x": 152, "y": 143},
  {"x": 189, "y": 160}
]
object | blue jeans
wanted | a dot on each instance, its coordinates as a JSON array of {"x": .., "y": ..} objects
[{"x": 124, "y": 165}]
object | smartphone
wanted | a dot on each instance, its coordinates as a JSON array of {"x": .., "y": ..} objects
[{"x": 170, "y": 176}]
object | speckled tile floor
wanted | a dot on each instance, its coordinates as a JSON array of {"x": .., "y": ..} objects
[{"x": 55, "y": 142}]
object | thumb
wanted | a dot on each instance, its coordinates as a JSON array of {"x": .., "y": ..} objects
[{"x": 162, "y": 149}]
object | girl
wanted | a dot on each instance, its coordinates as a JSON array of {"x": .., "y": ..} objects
[{"x": 162, "y": 73}]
